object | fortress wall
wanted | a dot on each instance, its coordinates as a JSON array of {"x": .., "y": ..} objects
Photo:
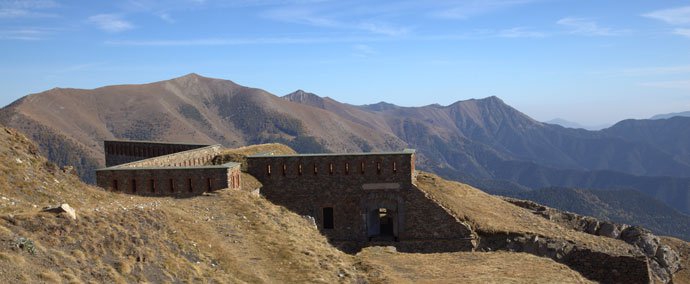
[
  {"x": 190, "y": 158},
  {"x": 169, "y": 181},
  {"x": 306, "y": 184},
  {"x": 122, "y": 152},
  {"x": 607, "y": 268}
]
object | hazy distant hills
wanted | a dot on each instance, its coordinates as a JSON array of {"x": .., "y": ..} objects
[
  {"x": 669, "y": 115},
  {"x": 572, "y": 124},
  {"x": 484, "y": 142}
]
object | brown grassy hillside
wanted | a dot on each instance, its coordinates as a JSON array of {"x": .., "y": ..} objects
[
  {"x": 464, "y": 267},
  {"x": 226, "y": 236},
  {"x": 489, "y": 214},
  {"x": 232, "y": 236}
]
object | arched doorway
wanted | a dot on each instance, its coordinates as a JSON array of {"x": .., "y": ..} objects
[
  {"x": 382, "y": 224},
  {"x": 383, "y": 216}
]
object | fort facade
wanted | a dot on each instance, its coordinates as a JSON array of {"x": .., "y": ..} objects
[
  {"x": 357, "y": 199},
  {"x": 165, "y": 169}
]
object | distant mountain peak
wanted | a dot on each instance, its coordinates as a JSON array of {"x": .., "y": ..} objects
[
  {"x": 380, "y": 106},
  {"x": 192, "y": 75},
  {"x": 302, "y": 97}
]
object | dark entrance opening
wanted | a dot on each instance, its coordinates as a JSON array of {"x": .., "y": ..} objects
[
  {"x": 328, "y": 217},
  {"x": 381, "y": 223},
  {"x": 385, "y": 223}
]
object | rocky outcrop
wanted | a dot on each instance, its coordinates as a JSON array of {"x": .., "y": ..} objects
[
  {"x": 662, "y": 259},
  {"x": 62, "y": 208},
  {"x": 595, "y": 265}
]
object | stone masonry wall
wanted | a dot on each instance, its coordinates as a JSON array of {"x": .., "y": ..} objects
[
  {"x": 122, "y": 152},
  {"x": 190, "y": 158},
  {"x": 169, "y": 181},
  {"x": 354, "y": 185}
]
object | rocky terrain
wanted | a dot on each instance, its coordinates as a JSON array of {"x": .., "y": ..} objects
[{"x": 237, "y": 236}]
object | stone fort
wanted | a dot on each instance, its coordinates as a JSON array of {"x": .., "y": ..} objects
[{"x": 355, "y": 199}]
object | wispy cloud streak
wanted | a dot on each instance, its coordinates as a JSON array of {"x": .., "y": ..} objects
[
  {"x": 242, "y": 41},
  {"x": 26, "y": 9},
  {"x": 587, "y": 27},
  {"x": 111, "y": 23},
  {"x": 678, "y": 84},
  {"x": 675, "y": 16}
]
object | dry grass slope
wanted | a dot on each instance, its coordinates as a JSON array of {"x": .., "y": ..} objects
[
  {"x": 465, "y": 267},
  {"x": 231, "y": 236},
  {"x": 225, "y": 237},
  {"x": 490, "y": 214}
]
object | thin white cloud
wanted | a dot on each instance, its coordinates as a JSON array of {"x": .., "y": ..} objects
[
  {"x": 470, "y": 8},
  {"x": 27, "y": 4},
  {"x": 682, "y": 32},
  {"x": 319, "y": 18},
  {"x": 242, "y": 41},
  {"x": 111, "y": 23},
  {"x": 678, "y": 84},
  {"x": 520, "y": 32},
  {"x": 587, "y": 27},
  {"x": 675, "y": 16},
  {"x": 25, "y": 9},
  {"x": 25, "y": 33},
  {"x": 657, "y": 70},
  {"x": 363, "y": 50},
  {"x": 165, "y": 17},
  {"x": 384, "y": 29}
]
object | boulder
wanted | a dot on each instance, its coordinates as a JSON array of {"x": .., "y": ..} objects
[
  {"x": 641, "y": 238},
  {"x": 62, "y": 208},
  {"x": 608, "y": 229},
  {"x": 668, "y": 258},
  {"x": 310, "y": 220},
  {"x": 592, "y": 226}
]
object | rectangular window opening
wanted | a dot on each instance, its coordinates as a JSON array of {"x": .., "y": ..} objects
[
  {"x": 115, "y": 185},
  {"x": 378, "y": 168},
  {"x": 347, "y": 168},
  {"x": 172, "y": 186},
  {"x": 152, "y": 185},
  {"x": 284, "y": 170},
  {"x": 328, "y": 217},
  {"x": 268, "y": 170},
  {"x": 330, "y": 169},
  {"x": 361, "y": 167},
  {"x": 134, "y": 186},
  {"x": 189, "y": 185},
  {"x": 208, "y": 183},
  {"x": 316, "y": 171},
  {"x": 299, "y": 169},
  {"x": 395, "y": 167}
]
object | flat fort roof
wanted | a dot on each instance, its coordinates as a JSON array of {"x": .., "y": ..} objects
[
  {"x": 270, "y": 154},
  {"x": 223, "y": 166},
  {"x": 157, "y": 142}
]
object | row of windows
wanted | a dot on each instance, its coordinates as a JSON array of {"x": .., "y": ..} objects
[
  {"x": 332, "y": 168},
  {"x": 173, "y": 187}
]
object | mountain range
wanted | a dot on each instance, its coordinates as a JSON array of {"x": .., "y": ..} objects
[
  {"x": 483, "y": 142},
  {"x": 669, "y": 115}
]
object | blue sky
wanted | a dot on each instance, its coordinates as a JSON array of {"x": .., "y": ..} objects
[{"x": 592, "y": 62}]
